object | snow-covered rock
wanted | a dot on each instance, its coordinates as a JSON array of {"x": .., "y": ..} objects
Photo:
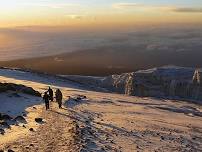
[
  {"x": 164, "y": 81},
  {"x": 197, "y": 78},
  {"x": 170, "y": 81},
  {"x": 18, "y": 88}
]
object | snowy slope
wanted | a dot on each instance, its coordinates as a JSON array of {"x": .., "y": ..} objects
[{"x": 99, "y": 122}]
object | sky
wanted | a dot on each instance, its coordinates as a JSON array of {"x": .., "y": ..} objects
[{"x": 98, "y": 13}]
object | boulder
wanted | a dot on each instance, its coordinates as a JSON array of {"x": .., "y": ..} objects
[
  {"x": 5, "y": 117},
  {"x": 78, "y": 98},
  {"x": 39, "y": 120},
  {"x": 31, "y": 91},
  {"x": 31, "y": 129},
  {"x": 2, "y": 131},
  {"x": 20, "y": 119},
  {"x": 4, "y": 124}
]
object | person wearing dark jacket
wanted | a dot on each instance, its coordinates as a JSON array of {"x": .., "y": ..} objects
[
  {"x": 50, "y": 92},
  {"x": 46, "y": 100},
  {"x": 58, "y": 96}
]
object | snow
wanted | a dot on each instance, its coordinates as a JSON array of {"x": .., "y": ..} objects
[
  {"x": 106, "y": 121},
  {"x": 17, "y": 74},
  {"x": 14, "y": 104},
  {"x": 169, "y": 71}
]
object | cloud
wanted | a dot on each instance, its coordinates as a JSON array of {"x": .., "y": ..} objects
[
  {"x": 139, "y": 6},
  {"x": 157, "y": 8},
  {"x": 75, "y": 16},
  {"x": 188, "y": 10},
  {"x": 125, "y": 5},
  {"x": 51, "y": 5}
]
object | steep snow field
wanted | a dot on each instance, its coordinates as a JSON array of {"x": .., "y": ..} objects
[{"x": 99, "y": 122}]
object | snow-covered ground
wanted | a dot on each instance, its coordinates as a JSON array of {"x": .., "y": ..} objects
[{"x": 99, "y": 122}]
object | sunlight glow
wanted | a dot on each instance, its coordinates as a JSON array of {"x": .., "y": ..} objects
[{"x": 112, "y": 12}]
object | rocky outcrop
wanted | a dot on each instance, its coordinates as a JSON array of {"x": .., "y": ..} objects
[
  {"x": 20, "y": 119},
  {"x": 197, "y": 78},
  {"x": 169, "y": 81},
  {"x": 164, "y": 81},
  {"x": 115, "y": 83},
  {"x": 157, "y": 82},
  {"x": 18, "y": 88}
]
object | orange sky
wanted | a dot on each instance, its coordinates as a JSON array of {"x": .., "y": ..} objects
[{"x": 112, "y": 14}]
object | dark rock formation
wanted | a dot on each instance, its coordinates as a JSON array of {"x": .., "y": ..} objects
[
  {"x": 20, "y": 119},
  {"x": 39, "y": 120},
  {"x": 31, "y": 129},
  {"x": 2, "y": 132},
  {"x": 5, "y": 117},
  {"x": 4, "y": 124},
  {"x": 18, "y": 88}
]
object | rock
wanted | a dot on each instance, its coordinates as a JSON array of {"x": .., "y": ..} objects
[
  {"x": 10, "y": 150},
  {"x": 6, "y": 117},
  {"x": 167, "y": 81},
  {"x": 31, "y": 91},
  {"x": 87, "y": 121},
  {"x": 31, "y": 129},
  {"x": 20, "y": 119},
  {"x": 197, "y": 78},
  {"x": 39, "y": 120},
  {"x": 24, "y": 115},
  {"x": 5, "y": 124},
  {"x": 1, "y": 150},
  {"x": 78, "y": 98},
  {"x": 2, "y": 131},
  {"x": 19, "y": 88}
]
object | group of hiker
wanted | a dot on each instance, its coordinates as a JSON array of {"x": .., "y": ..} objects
[{"x": 48, "y": 96}]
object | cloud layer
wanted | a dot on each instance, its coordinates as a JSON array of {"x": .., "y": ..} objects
[
  {"x": 125, "y": 5},
  {"x": 188, "y": 10},
  {"x": 157, "y": 8}
]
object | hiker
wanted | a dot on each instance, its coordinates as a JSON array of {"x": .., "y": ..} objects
[
  {"x": 50, "y": 92},
  {"x": 58, "y": 96},
  {"x": 46, "y": 99}
]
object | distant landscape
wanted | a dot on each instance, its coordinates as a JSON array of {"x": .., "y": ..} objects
[{"x": 103, "y": 53}]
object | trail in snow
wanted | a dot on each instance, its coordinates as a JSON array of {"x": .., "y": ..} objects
[{"x": 56, "y": 134}]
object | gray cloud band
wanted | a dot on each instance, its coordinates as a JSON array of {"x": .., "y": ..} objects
[{"x": 188, "y": 10}]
